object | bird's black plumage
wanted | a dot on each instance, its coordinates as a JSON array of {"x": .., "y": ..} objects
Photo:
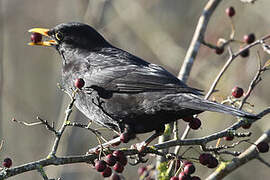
[{"x": 122, "y": 90}]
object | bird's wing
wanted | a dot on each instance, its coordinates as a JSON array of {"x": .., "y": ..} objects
[{"x": 124, "y": 73}]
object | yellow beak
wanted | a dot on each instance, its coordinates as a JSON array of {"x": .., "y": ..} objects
[{"x": 43, "y": 32}]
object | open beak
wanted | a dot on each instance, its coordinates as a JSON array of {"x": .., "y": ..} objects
[{"x": 43, "y": 32}]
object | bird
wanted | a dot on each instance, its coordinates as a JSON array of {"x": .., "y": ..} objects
[{"x": 123, "y": 92}]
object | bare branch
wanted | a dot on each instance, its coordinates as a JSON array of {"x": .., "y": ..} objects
[
  {"x": 197, "y": 39},
  {"x": 56, "y": 161},
  {"x": 26, "y": 123},
  {"x": 248, "y": 155},
  {"x": 63, "y": 127},
  {"x": 191, "y": 54},
  {"x": 49, "y": 127},
  {"x": 263, "y": 161},
  {"x": 42, "y": 173},
  {"x": 229, "y": 61}
]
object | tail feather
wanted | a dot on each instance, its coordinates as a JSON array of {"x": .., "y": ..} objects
[{"x": 197, "y": 103}]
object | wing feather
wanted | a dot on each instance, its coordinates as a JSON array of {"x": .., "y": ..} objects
[{"x": 122, "y": 72}]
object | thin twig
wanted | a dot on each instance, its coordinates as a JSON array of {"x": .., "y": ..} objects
[
  {"x": 223, "y": 147},
  {"x": 26, "y": 123},
  {"x": 253, "y": 83},
  {"x": 1, "y": 144},
  {"x": 263, "y": 161},
  {"x": 94, "y": 131},
  {"x": 49, "y": 127},
  {"x": 63, "y": 127},
  {"x": 42, "y": 173}
]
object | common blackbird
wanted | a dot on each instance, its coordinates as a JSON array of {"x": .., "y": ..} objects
[{"x": 123, "y": 92}]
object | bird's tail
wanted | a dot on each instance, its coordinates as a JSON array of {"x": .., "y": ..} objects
[{"x": 197, "y": 103}]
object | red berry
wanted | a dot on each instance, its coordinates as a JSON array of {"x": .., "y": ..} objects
[
  {"x": 124, "y": 137},
  {"x": 79, "y": 83},
  {"x": 213, "y": 162},
  {"x": 263, "y": 147},
  {"x": 174, "y": 178},
  {"x": 230, "y": 11},
  {"x": 118, "y": 154},
  {"x": 246, "y": 126},
  {"x": 115, "y": 177},
  {"x": 204, "y": 158},
  {"x": 195, "y": 123},
  {"x": 189, "y": 169},
  {"x": 100, "y": 165},
  {"x": 141, "y": 170},
  {"x": 249, "y": 38},
  {"x": 7, "y": 162},
  {"x": 229, "y": 138},
  {"x": 188, "y": 119},
  {"x": 244, "y": 53},
  {"x": 184, "y": 176},
  {"x": 118, "y": 167},
  {"x": 107, "y": 172},
  {"x": 36, "y": 37},
  {"x": 195, "y": 178},
  {"x": 237, "y": 92},
  {"x": 219, "y": 50},
  {"x": 110, "y": 160}
]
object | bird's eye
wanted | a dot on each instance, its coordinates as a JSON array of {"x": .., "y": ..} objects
[{"x": 59, "y": 36}]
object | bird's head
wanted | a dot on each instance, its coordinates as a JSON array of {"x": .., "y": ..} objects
[{"x": 71, "y": 35}]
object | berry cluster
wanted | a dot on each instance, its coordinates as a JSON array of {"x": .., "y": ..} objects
[
  {"x": 194, "y": 123},
  {"x": 247, "y": 39},
  {"x": 117, "y": 160},
  {"x": 208, "y": 160}
]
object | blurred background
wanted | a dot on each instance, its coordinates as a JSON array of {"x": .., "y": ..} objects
[{"x": 157, "y": 30}]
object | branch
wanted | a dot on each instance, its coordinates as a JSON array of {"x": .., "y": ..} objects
[
  {"x": 257, "y": 78},
  {"x": 192, "y": 52},
  {"x": 56, "y": 161},
  {"x": 64, "y": 125},
  {"x": 250, "y": 154},
  {"x": 42, "y": 173},
  {"x": 48, "y": 126},
  {"x": 230, "y": 60},
  {"x": 204, "y": 140},
  {"x": 197, "y": 39}
]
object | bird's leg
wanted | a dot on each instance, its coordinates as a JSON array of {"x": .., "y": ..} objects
[{"x": 141, "y": 146}]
